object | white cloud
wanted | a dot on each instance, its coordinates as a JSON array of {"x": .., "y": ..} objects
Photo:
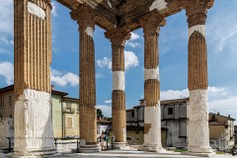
[
  {"x": 226, "y": 106},
  {"x": 54, "y": 9},
  {"x": 131, "y": 60},
  {"x": 98, "y": 75},
  {"x": 64, "y": 79},
  {"x": 225, "y": 36},
  {"x": 134, "y": 36},
  {"x": 4, "y": 40},
  {"x": 213, "y": 92},
  {"x": 55, "y": 72},
  {"x": 174, "y": 94},
  {"x": 105, "y": 62},
  {"x": 7, "y": 71},
  {"x": 131, "y": 43},
  {"x": 106, "y": 110},
  {"x": 6, "y": 15},
  {"x": 108, "y": 101},
  {"x": 216, "y": 91}
]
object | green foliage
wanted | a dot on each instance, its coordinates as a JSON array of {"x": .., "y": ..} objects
[
  {"x": 220, "y": 152},
  {"x": 180, "y": 150},
  {"x": 99, "y": 113}
]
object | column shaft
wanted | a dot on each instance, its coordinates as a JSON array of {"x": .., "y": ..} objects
[
  {"x": 87, "y": 86},
  {"x": 85, "y": 20},
  {"x": 32, "y": 58},
  {"x": 152, "y": 116},
  {"x": 198, "y": 130},
  {"x": 118, "y": 36}
]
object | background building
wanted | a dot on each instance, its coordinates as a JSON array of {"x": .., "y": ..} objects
[
  {"x": 235, "y": 130},
  {"x": 65, "y": 115},
  {"x": 6, "y": 116},
  {"x": 222, "y": 134},
  {"x": 135, "y": 123},
  {"x": 174, "y": 122},
  {"x": 174, "y": 117},
  {"x": 103, "y": 124}
]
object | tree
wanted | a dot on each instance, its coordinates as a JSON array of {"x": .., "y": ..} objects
[{"x": 99, "y": 113}]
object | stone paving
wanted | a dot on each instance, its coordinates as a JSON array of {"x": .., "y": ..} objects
[
  {"x": 134, "y": 154},
  {"x": 124, "y": 154}
]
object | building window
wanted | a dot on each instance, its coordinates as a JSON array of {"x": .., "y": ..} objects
[
  {"x": 170, "y": 111},
  {"x": 68, "y": 105},
  {"x": 132, "y": 113},
  {"x": 69, "y": 122},
  {"x": 129, "y": 138},
  {"x": 10, "y": 100},
  {"x": 2, "y": 103}
]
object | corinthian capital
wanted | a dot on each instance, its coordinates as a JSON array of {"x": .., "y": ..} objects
[
  {"x": 84, "y": 17},
  {"x": 196, "y": 6},
  {"x": 118, "y": 36},
  {"x": 152, "y": 22}
]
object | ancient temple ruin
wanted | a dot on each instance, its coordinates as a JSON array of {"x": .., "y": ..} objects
[{"x": 33, "y": 48}]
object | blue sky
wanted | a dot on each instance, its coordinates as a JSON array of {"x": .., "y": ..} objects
[{"x": 221, "y": 31}]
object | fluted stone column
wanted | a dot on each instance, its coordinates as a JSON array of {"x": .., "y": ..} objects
[
  {"x": 33, "y": 133},
  {"x": 152, "y": 116},
  {"x": 198, "y": 129},
  {"x": 88, "y": 128},
  {"x": 118, "y": 36}
]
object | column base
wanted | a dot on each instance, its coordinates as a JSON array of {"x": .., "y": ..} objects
[
  {"x": 152, "y": 148},
  {"x": 199, "y": 154},
  {"x": 120, "y": 145},
  {"x": 88, "y": 149},
  {"x": 199, "y": 151},
  {"x": 38, "y": 153}
]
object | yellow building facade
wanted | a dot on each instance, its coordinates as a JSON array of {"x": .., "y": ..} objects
[{"x": 65, "y": 111}]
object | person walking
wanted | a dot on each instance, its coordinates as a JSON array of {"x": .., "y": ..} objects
[{"x": 102, "y": 141}]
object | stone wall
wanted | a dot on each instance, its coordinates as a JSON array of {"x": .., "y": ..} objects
[
  {"x": 7, "y": 130},
  {"x": 176, "y": 133},
  {"x": 66, "y": 145}
]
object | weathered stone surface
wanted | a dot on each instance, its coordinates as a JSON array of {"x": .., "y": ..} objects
[
  {"x": 118, "y": 37},
  {"x": 7, "y": 130},
  {"x": 33, "y": 126},
  {"x": 118, "y": 80},
  {"x": 152, "y": 137},
  {"x": 198, "y": 129},
  {"x": 119, "y": 115},
  {"x": 32, "y": 45},
  {"x": 151, "y": 74},
  {"x": 151, "y": 24},
  {"x": 127, "y": 13},
  {"x": 85, "y": 19}
]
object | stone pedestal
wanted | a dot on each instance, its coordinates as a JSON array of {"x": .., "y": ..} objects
[
  {"x": 120, "y": 145},
  {"x": 33, "y": 125},
  {"x": 89, "y": 148}
]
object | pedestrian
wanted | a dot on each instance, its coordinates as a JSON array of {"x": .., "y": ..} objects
[
  {"x": 107, "y": 140},
  {"x": 102, "y": 141}
]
